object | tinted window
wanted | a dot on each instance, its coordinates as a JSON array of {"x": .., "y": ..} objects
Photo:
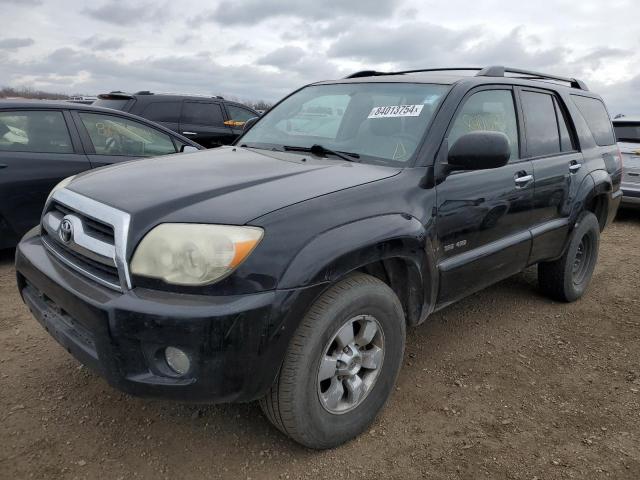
[
  {"x": 34, "y": 131},
  {"x": 113, "y": 103},
  {"x": 566, "y": 143},
  {"x": 540, "y": 124},
  {"x": 491, "y": 110},
  {"x": 201, "y": 113},
  {"x": 627, "y": 132},
  {"x": 162, "y": 111},
  {"x": 239, "y": 114},
  {"x": 111, "y": 135},
  {"x": 597, "y": 119}
]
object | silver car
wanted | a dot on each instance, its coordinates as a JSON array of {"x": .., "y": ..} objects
[{"x": 628, "y": 135}]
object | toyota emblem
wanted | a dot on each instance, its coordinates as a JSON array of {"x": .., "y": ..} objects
[{"x": 65, "y": 231}]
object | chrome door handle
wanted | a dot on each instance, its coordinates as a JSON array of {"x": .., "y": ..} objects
[
  {"x": 189, "y": 133},
  {"x": 523, "y": 180},
  {"x": 574, "y": 167}
]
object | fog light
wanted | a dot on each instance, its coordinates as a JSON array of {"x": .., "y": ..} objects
[{"x": 177, "y": 360}]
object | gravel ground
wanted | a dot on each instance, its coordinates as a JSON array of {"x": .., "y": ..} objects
[{"x": 503, "y": 385}]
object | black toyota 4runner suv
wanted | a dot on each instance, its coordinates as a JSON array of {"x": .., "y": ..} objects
[
  {"x": 286, "y": 268},
  {"x": 209, "y": 121}
]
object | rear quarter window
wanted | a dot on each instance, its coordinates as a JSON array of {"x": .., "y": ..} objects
[{"x": 595, "y": 114}]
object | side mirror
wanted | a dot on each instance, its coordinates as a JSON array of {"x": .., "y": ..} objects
[
  {"x": 479, "y": 150},
  {"x": 249, "y": 123},
  {"x": 188, "y": 149}
]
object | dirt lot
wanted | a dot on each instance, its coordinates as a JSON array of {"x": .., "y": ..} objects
[{"x": 504, "y": 385}]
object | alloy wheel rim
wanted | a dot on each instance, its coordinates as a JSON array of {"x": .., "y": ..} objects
[{"x": 350, "y": 364}]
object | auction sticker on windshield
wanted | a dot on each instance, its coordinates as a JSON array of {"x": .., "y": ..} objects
[{"x": 391, "y": 111}]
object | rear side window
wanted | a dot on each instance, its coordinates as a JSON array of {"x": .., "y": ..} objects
[
  {"x": 597, "y": 119},
  {"x": 540, "y": 124},
  {"x": 34, "y": 131},
  {"x": 627, "y": 132},
  {"x": 201, "y": 113},
  {"x": 162, "y": 111}
]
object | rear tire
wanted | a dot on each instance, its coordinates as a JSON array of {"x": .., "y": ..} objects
[
  {"x": 567, "y": 278},
  {"x": 341, "y": 364}
]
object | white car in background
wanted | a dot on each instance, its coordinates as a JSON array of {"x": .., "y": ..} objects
[{"x": 628, "y": 135}]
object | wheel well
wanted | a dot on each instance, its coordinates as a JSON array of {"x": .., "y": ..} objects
[
  {"x": 598, "y": 205},
  {"x": 404, "y": 280}
]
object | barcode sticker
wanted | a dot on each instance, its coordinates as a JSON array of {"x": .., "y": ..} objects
[{"x": 391, "y": 111}]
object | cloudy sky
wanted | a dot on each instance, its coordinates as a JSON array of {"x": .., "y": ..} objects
[{"x": 262, "y": 49}]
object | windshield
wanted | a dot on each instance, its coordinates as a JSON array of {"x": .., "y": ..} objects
[
  {"x": 378, "y": 122},
  {"x": 627, "y": 132}
]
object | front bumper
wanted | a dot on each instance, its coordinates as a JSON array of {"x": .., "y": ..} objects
[{"x": 236, "y": 343}]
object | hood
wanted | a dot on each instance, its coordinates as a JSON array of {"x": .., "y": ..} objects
[{"x": 227, "y": 185}]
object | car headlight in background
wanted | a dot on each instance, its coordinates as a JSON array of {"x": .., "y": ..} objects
[
  {"x": 193, "y": 254},
  {"x": 59, "y": 186}
]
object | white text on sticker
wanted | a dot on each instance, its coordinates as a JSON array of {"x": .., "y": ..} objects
[{"x": 391, "y": 111}]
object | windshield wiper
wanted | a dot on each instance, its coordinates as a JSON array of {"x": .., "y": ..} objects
[{"x": 320, "y": 150}]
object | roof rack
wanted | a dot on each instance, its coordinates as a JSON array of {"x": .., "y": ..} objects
[{"x": 491, "y": 71}]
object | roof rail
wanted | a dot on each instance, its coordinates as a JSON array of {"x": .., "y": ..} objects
[
  {"x": 491, "y": 71},
  {"x": 499, "y": 71}
]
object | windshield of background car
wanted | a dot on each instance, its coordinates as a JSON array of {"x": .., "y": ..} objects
[
  {"x": 627, "y": 132},
  {"x": 380, "y": 122}
]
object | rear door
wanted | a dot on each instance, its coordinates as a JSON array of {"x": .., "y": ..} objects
[
  {"x": 111, "y": 138},
  {"x": 203, "y": 122},
  {"x": 38, "y": 148},
  {"x": 551, "y": 146},
  {"x": 483, "y": 216},
  {"x": 166, "y": 113}
]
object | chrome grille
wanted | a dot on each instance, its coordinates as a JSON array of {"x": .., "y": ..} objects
[
  {"x": 631, "y": 168},
  {"x": 88, "y": 237}
]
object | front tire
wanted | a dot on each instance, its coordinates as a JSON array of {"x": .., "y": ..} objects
[
  {"x": 341, "y": 365},
  {"x": 567, "y": 278}
]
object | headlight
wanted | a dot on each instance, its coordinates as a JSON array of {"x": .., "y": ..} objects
[
  {"x": 193, "y": 254},
  {"x": 59, "y": 186}
]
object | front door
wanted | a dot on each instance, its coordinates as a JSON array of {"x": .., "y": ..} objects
[
  {"x": 482, "y": 220},
  {"x": 203, "y": 122},
  {"x": 36, "y": 152}
]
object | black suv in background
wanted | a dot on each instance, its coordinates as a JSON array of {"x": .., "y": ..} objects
[
  {"x": 209, "y": 121},
  {"x": 286, "y": 268}
]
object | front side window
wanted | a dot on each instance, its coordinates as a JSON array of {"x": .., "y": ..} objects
[
  {"x": 488, "y": 110},
  {"x": 627, "y": 132},
  {"x": 202, "y": 113},
  {"x": 377, "y": 122},
  {"x": 540, "y": 124},
  {"x": 239, "y": 114},
  {"x": 34, "y": 131},
  {"x": 119, "y": 136}
]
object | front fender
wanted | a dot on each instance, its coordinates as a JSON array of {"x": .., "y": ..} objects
[{"x": 334, "y": 253}]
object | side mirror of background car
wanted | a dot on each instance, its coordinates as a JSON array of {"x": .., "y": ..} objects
[
  {"x": 188, "y": 149},
  {"x": 249, "y": 123},
  {"x": 479, "y": 151}
]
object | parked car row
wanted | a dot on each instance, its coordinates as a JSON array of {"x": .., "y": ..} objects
[
  {"x": 42, "y": 142},
  {"x": 210, "y": 121},
  {"x": 286, "y": 268}
]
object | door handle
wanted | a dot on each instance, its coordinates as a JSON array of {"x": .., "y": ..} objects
[
  {"x": 189, "y": 133},
  {"x": 521, "y": 181},
  {"x": 574, "y": 167},
  {"x": 3, "y": 165}
]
